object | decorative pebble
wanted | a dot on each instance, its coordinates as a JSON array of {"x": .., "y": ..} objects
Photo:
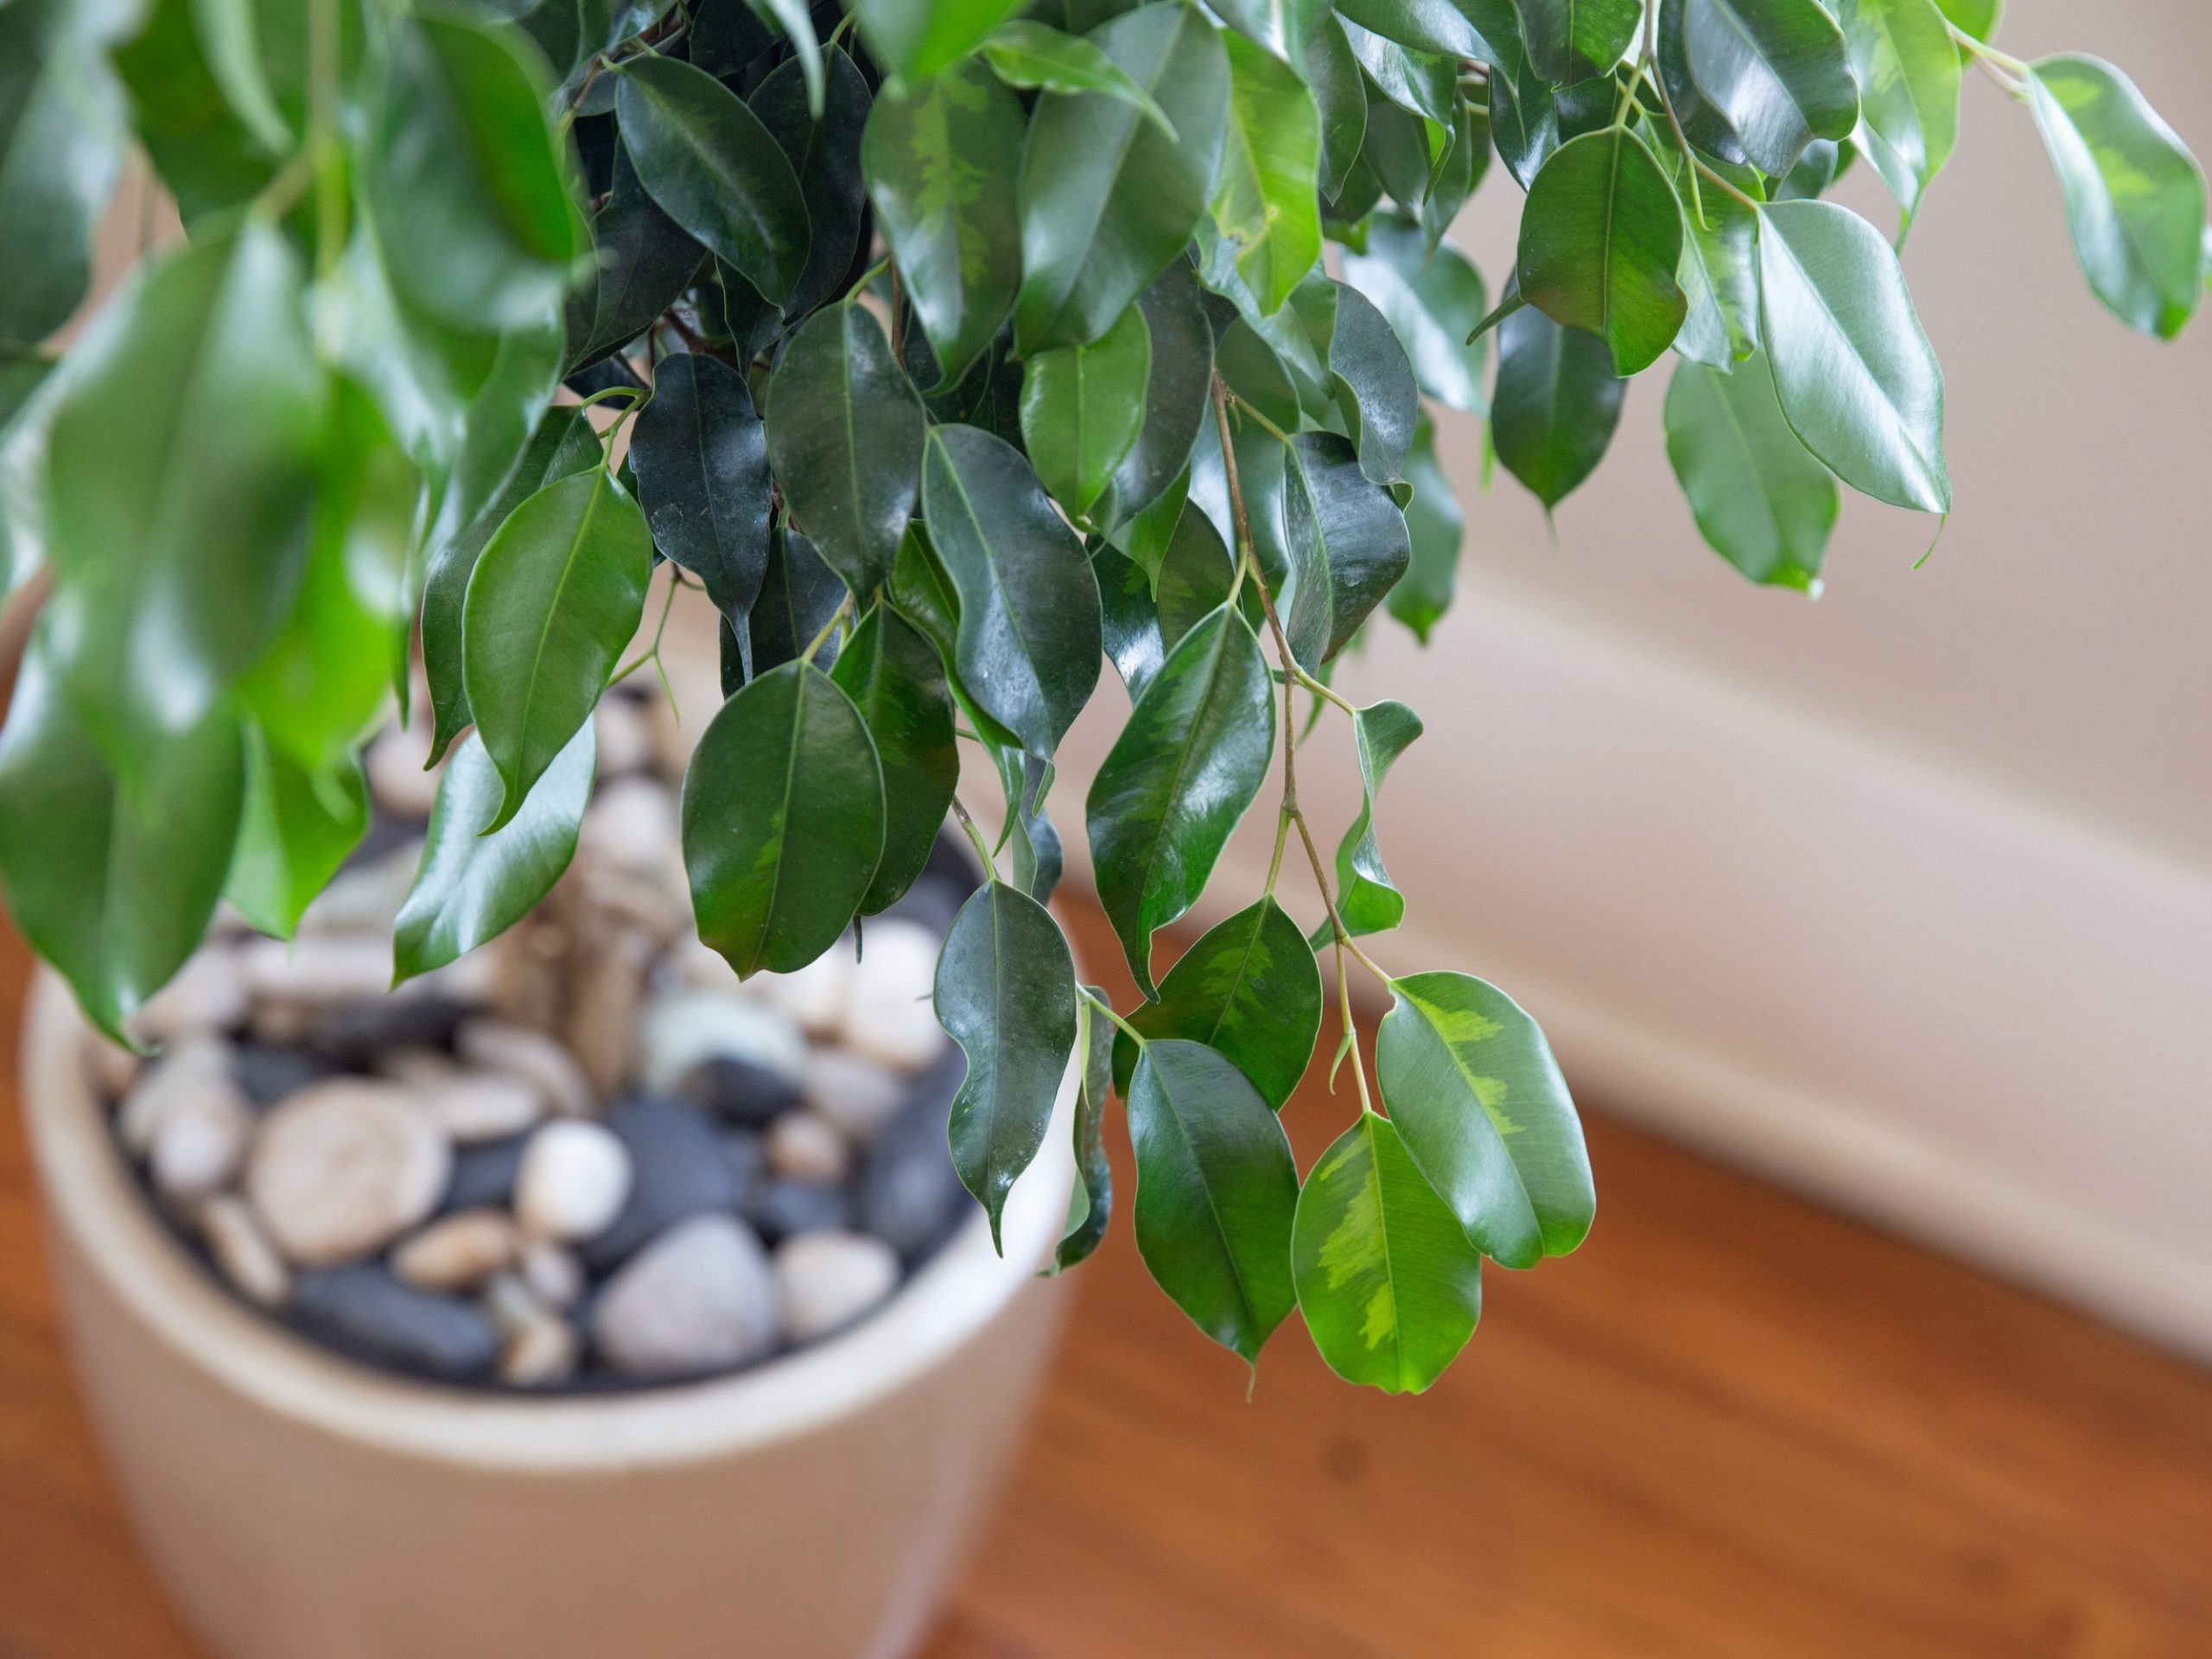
[
  {"x": 682, "y": 1029},
  {"x": 744, "y": 1093},
  {"x": 532, "y": 1055},
  {"x": 510, "y": 1303},
  {"x": 631, "y": 825},
  {"x": 208, "y": 993},
  {"x": 816, "y": 996},
  {"x": 200, "y": 1141},
  {"x": 269, "y": 1071},
  {"x": 553, "y": 1274},
  {"x": 366, "y": 1310},
  {"x": 602, "y": 1024},
  {"x": 344, "y": 1167},
  {"x": 909, "y": 1195},
  {"x": 857, "y": 1096},
  {"x": 782, "y": 1209},
  {"x": 624, "y": 737},
  {"x": 476, "y": 1106},
  {"x": 364, "y": 898},
  {"x": 747, "y": 1159},
  {"x": 456, "y": 1251},
  {"x": 891, "y": 1018},
  {"x": 677, "y": 1170},
  {"x": 484, "y": 1174},
  {"x": 540, "y": 1353},
  {"x": 698, "y": 1298},
  {"x": 396, "y": 778},
  {"x": 318, "y": 971},
  {"x": 574, "y": 1178},
  {"x": 829, "y": 1279},
  {"x": 805, "y": 1147},
  {"x": 242, "y": 1251},
  {"x": 179, "y": 1072},
  {"x": 356, "y": 1034}
]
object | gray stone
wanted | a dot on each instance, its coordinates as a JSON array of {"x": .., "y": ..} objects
[
  {"x": 857, "y": 1095},
  {"x": 816, "y": 996},
  {"x": 344, "y": 1167},
  {"x": 179, "y": 1072},
  {"x": 909, "y": 1195},
  {"x": 677, "y": 1170},
  {"x": 207, "y": 993},
  {"x": 486, "y": 1175},
  {"x": 498, "y": 1046},
  {"x": 891, "y": 1019},
  {"x": 625, "y": 736},
  {"x": 829, "y": 1279},
  {"x": 540, "y": 1353},
  {"x": 477, "y": 1106},
  {"x": 805, "y": 1147},
  {"x": 574, "y": 1180},
  {"x": 685, "y": 1028},
  {"x": 552, "y": 1273},
  {"x": 748, "y": 1161},
  {"x": 200, "y": 1142},
  {"x": 367, "y": 1311},
  {"x": 396, "y": 776},
  {"x": 360, "y": 1033},
  {"x": 750, "y": 1095},
  {"x": 699, "y": 1298},
  {"x": 269, "y": 1071},
  {"x": 364, "y": 897},
  {"x": 782, "y": 1209}
]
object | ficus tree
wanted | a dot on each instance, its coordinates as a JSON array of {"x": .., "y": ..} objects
[{"x": 959, "y": 348}]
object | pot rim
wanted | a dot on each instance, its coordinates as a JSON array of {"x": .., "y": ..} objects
[{"x": 91, "y": 1195}]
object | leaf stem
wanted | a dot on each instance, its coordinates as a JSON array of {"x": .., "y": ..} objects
[
  {"x": 867, "y": 277},
  {"x": 976, "y": 837},
  {"x": 1667, "y": 103},
  {"x": 844, "y": 609},
  {"x": 1265, "y": 424},
  {"x": 1504, "y": 309},
  {"x": 1351, "y": 1031},
  {"x": 652, "y": 653},
  {"x": 1107, "y": 1008},
  {"x": 1698, "y": 162}
]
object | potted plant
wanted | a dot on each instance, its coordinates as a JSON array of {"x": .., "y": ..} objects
[{"x": 947, "y": 351}]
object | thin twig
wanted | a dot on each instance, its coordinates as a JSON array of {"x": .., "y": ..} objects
[
  {"x": 844, "y": 609},
  {"x": 1667, "y": 103}
]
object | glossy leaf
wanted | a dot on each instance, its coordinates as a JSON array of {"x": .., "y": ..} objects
[
  {"x": 1090, "y": 1202},
  {"x": 1340, "y": 96},
  {"x": 1184, "y": 769},
  {"x": 1388, "y": 1284},
  {"x": 1977, "y": 18},
  {"x": 1368, "y": 901},
  {"x": 2135, "y": 197},
  {"x": 1855, "y": 372},
  {"x": 1472, "y": 1087},
  {"x": 1196, "y": 572},
  {"x": 1907, "y": 68},
  {"x": 1216, "y": 1193},
  {"x": 892, "y": 673},
  {"x": 1264, "y": 195},
  {"x": 941, "y": 161},
  {"x": 1422, "y": 83},
  {"x": 702, "y": 459},
  {"x": 1081, "y": 407},
  {"x": 475, "y": 881},
  {"x": 1375, "y": 388},
  {"x": 1106, "y": 200},
  {"x": 1530, "y": 119},
  {"x": 1720, "y": 278},
  {"x": 295, "y": 828},
  {"x": 1555, "y": 405},
  {"x": 1434, "y": 528},
  {"x": 1129, "y": 620},
  {"x": 1573, "y": 40},
  {"x": 1761, "y": 501},
  {"x": 1347, "y": 544},
  {"x": 1600, "y": 238},
  {"x": 1776, "y": 71},
  {"x": 60, "y": 148},
  {"x": 1439, "y": 26},
  {"x": 917, "y": 39},
  {"x": 557, "y": 594},
  {"x": 1249, "y": 988},
  {"x": 1006, "y": 991},
  {"x": 204, "y": 153},
  {"x": 1036, "y": 57},
  {"x": 783, "y": 820},
  {"x": 1029, "y": 639},
  {"x": 1177, "y": 388},
  {"x": 715, "y": 170},
  {"x": 643, "y": 260},
  {"x": 810, "y": 75},
  {"x": 823, "y": 145},
  {"x": 798, "y": 596},
  {"x": 1434, "y": 301}
]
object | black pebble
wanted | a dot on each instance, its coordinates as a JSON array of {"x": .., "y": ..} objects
[
  {"x": 485, "y": 1173},
  {"x": 780, "y": 1208},
  {"x": 910, "y": 1196},
  {"x": 266, "y": 1072},
  {"x": 677, "y": 1169},
  {"x": 748, "y": 1161},
  {"x": 357, "y": 1034},
  {"x": 749, "y": 1096},
  {"x": 386, "y": 835},
  {"x": 367, "y": 1311}
]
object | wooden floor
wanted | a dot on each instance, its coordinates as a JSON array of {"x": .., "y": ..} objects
[{"x": 1733, "y": 1425}]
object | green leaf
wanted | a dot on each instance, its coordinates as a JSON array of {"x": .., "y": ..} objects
[
  {"x": 230, "y": 37},
  {"x": 180, "y": 486},
  {"x": 1462, "y": 159},
  {"x": 1036, "y": 57},
  {"x": 60, "y": 148},
  {"x": 1397, "y": 149},
  {"x": 643, "y": 259},
  {"x": 199, "y": 147},
  {"x": 715, "y": 170},
  {"x": 809, "y": 77},
  {"x": 1347, "y": 542},
  {"x": 296, "y": 827},
  {"x": 1106, "y": 200},
  {"x": 114, "y": 888},
  {"x": 1434, "y": 301},
  {"x": 1090, "y": 1203},
  {"x": 917, "y": 39},
  {"x": 1472, "y": 1087},
  {"x": 1081, "y": 407},
  {"x": 1434, "y": 528},
  {"x": 1248, "y": 988},
  {"x": 1389, "y": 1285},
  {"x": 702, "y": 459},
  {"x": 783, "y": 820},
  {"x": 1977, "y": 18},
  {"x": 1037, "y": 858},
  {"x": 1857, "y": 378},
  {"x": 1248, "y": 367},
  {"x": 1177, "y": 393},
  {"x": 1184, "y": 769},
  {"x": 2135, "y": 197},
  {"x": 1908, "y": 72},
  {"x": 1006, "y": 991},
  {"x": 845, "y": 434},
  {"x": 1600, "y": 238},
  {"x": 476, "y": 881},
  {"x": 1720, "y": 278},
  {"x": 1340, "y": 95},
  {"x": 823, "y": 144},
  {"x": 798, "y": 596},
  {"x": 1216, "y": 1193},
  {"x": 557, "y": 593},
  {"x": 1556, "y": 402},
  {"x": 1440, "y": 27},
  {"x": 1196, "y": 572},
  {"x": 892, "y": 673},
  {"x": 942, "y": 160},
  {"x": 1573, "y": 40},
  {"x": 1375, "y": 390},
  {"x": 1775, "y": 71},
  {"x": 463, "y": 178},
  {"x": 1282, "y": 27},
  {"x": 1128, "y": 619},
  {"x": 1422, "y": 83},
  {"x": 1029, "y": 639},
  {"x": 1264, "y": 197},
  {"x": 1761, "y": 501},
  {"x": 1368, "y": 901}
]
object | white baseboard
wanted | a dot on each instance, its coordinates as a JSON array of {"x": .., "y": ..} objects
[{"x": 1946, "y": 1007}]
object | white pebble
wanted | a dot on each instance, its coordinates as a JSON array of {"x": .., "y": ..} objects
[
  {"x": 477, "y": 1106},
  {"x": 345, "y": 1166},
  {"x": 182, "y": 1071},
  {"x": 364, "y": 900},
  {"x": 242, "y": 1251},
  {"x": 631, "y": 824},
  {"x": 601, "y": 1021},
  {"x": 396, "y": 778},
  {"x": 698, "y": 1298},
  {"x": 829, "y": 1279},
  {"x": 680, "y": 1030},
  {"x": 540, "y": 1352},
  {"x": 625, "y": 736},
  {"x": 454, "y": 1252},
  {"x": 573, "y": 1176},
  {"x": 531, "y": 1055},
  {"x": 857, "y": 1096},
  {"x": 805, "y": 1147},
  {"x": 816, "y": 996},
  {"x": 200, "y": 1142},
  {"x": 891, "y": 1018},
  {"x": 553, "y": 1274},
  {"x": 208, "y": 993},
  {"x": 318, "y": 971}
]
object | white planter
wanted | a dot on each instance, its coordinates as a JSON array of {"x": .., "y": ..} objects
[{"x": 298, "y": 1506}]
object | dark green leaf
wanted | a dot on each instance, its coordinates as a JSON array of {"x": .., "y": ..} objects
[
  {"x": 1776, "y": 71},
  {"x": 1216, "y": 1193},
  {"x": 1006, "y": 991},
  {"x": 942, "y": 160},
  {"x": 1130, "y": 622},
  {"x": 1376, "y": 387},
  {"x": 917, "y": 39},
  {"x": 1347, "y": 542},
  {"x": 1530, "y": 119},
  {"x": 1091, "y": 1203},
  {"x": 1264, "y": 197},
  {"x": 1600, "y": 237},
  {"x": 1423, "y": 83},
  {"x": 1036, "y": 57},
  {"x": 1397, "y": 148},
  {"x": 1029, "y": 639},
  {"x": 557, "y": 594},
  {"x": 1556, "y": 402},
  {"x": 296, "y": 827},
  {"x": 1196, "y": 572},
  {"x": 825, "y": 153},
  {"x": 794, "y": 21},
  {"x": 1458, "y": 167},
  {"x": 202, "y": 151},
  {"x": 1081, "y": 407},
  {"x": 1855, "y": 372},
  {"x": 1719, "y": 278},
  {"x": 1248, "y": 367},
  {"x": 1572, "y": 39},
  {"x": 1340, "y": 95},
  {"x": 1176, "y": 392},
  {"x": 1368, "y": 901},
  {"x": 798, "y": 596},
  {"x": 1908, "y": 72},
  {"x": 60, "y": 148},
  {"x": 113, "y": 887},
  {"x": 1440, "y": 27},
  {"x": 715, "y": 170},
  {"x": 702, "y": 478},
  {"x": 1824, "y": 162},
  {"x": 1701, "y": 123},
  {"x": 1761, "y": 501},
  {"x": 1283, "y": 26},
  {"x": 1249, "y": 988},
  {"x": 892, "y": 673},
  {"x": 1177, "y": 779},
  {"x": 783, "y": 820},
  {"x": 1434, "y": 301},
  {"x": 1434, "y": 528},
  {"x": 1472, "y": 1087},
  {"x": 644, "y": 261},
  {"x": 1035, "y": 852},
  {"x": 1107, "y": 201},
  {"x": 2135, "y": 198}
]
